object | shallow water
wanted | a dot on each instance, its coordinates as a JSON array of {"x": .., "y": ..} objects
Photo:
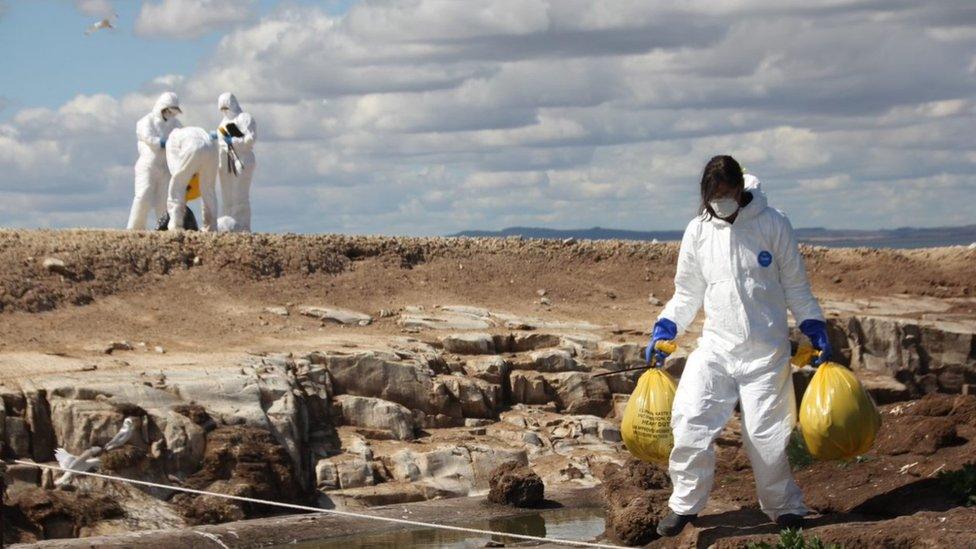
[{"x": 570, "y": 524}]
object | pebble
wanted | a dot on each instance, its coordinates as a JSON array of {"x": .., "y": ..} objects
[
  {"x": 541, "y": 292},
  {"x": 159, "y": 349},
  {"x": 529, "y": 437},
  {"x": 280, "y": 311},
  {"x": 545, "y": 301},
  {"x": 654, "y": 300}
]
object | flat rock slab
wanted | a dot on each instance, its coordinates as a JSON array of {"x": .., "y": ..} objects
[
  {"x": 445, "y": 319},
  {"x": 337, "y": 315},
  {"x": 463, "y": 317},
  {"x": 469, "y": 344}
]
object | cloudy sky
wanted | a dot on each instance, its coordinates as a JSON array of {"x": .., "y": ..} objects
[{"x": 432, "y": 116}]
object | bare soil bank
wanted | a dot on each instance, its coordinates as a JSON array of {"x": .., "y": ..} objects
[{"x": 187, "y": 290}]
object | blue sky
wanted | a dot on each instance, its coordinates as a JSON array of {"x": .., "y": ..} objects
[
  {"x": 48, "y": 59},
  {"x": 429, "y": 116}
]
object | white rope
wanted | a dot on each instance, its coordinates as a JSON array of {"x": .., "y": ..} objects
[{"x": 326, "y": 511}]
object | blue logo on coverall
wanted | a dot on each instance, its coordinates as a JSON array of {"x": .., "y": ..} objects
[{"x": 765, "y": 258}]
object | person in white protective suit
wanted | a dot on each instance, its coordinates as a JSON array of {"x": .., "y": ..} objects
[
  {"x": 740, "y": 259},
  {"x": 191, "y": 151},
  {"x": 151, "y": 173},
  {"x": 235, "y": 179}
]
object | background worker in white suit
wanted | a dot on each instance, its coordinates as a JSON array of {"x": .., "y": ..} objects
[
  {"x": 235, "y": 178},
  {"x": 189, "y": 152},
  {"x": 151, "y": 172}
]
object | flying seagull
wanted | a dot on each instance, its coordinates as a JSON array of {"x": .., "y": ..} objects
[
  {"x": 103, "y": 24},
  {"x": 87, "y": 461},
  {"x": 124, "y": 435}
]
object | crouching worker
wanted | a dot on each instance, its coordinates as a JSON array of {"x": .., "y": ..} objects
[
  {"x": 740, "y": 258},
  {"x": 189, "y": 152},
  {"x": 189, "y": 220}
]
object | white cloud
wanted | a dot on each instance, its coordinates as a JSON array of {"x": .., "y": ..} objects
[
  {"x": 95, "y": 8},
  {"x": 190, "y": 18},
  {"x": 428, "y": 117}
]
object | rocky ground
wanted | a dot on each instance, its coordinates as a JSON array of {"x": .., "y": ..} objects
[{"x": 355, "y": 372}]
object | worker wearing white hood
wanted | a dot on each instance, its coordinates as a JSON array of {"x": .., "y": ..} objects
[
  {"x": 235, "y": 177},
  {"x": 740, "y": 259},
  {"x": 151, "y": 173}
]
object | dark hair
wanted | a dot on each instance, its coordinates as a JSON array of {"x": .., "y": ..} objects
[{"x": 720, "y": 170}]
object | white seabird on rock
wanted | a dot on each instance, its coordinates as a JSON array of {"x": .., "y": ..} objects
[
  {"x": 124, "y": 435},
  {"x": 87, "y": 461}
]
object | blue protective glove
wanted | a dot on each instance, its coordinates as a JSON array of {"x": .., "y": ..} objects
[
  {"x": 664, "y": 330},
  {"x": 816, "y": 330},
  {"x": 228, "y": 139},
  {"x": 213, "y": 136},
  {"x": 162, "y": 142}
]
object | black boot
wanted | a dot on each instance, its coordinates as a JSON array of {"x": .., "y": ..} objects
[
  {"x": 790, "y": 521},
  {"x": 673, "y": 524}
]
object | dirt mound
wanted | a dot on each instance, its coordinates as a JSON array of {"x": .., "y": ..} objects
[
  {"x": 123, "y": 458},
  {"x": 919, "y": 435},
  {"x": 85, "y": 265},
  {"x": 239, "y": 461},
  {"x": 635, "y": 498},
  {"x": 195, "y": 413},
  {"x": 36, "y": 513},
  {"x": 515, "y": 485},
  {"x": 955, "y": 528},
  {"x": 961, "y": 409}
]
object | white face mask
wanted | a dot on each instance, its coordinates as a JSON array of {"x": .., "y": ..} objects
[{"x": 724, "y": 207}]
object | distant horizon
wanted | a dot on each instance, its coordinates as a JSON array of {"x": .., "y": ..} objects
[
  {"x": 809, "y": 228},
  {"x": 901, "y": 237}
]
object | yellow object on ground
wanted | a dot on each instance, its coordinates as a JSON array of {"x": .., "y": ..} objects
[
  {"x": 646, "y": 426},
  {"x": 838, "y": 419},
  {"x": 193, "y": 188}
]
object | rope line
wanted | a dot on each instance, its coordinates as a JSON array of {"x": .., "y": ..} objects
[{"x": 325, "y": 511}]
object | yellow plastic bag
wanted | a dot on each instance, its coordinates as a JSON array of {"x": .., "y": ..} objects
[
  {"x": 646, "y": 426},
  {"x": 193, "y": 188},
  {"x": 838, "y": 419}
]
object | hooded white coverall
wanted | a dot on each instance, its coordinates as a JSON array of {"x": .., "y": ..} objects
[
  {"x": 191, "y": 151},
  {"x": 235, "y": 190},
  {"x": 747, "y": 274},
  {"x": 152, "y": 175}
]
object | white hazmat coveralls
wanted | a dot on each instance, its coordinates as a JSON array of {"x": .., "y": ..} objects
[
  {"x": 152, "y": 175},
  {"x": 235, "y": 190},
  {"x": 747, "y": 274},
  {"x": 191, "y": 151}
]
